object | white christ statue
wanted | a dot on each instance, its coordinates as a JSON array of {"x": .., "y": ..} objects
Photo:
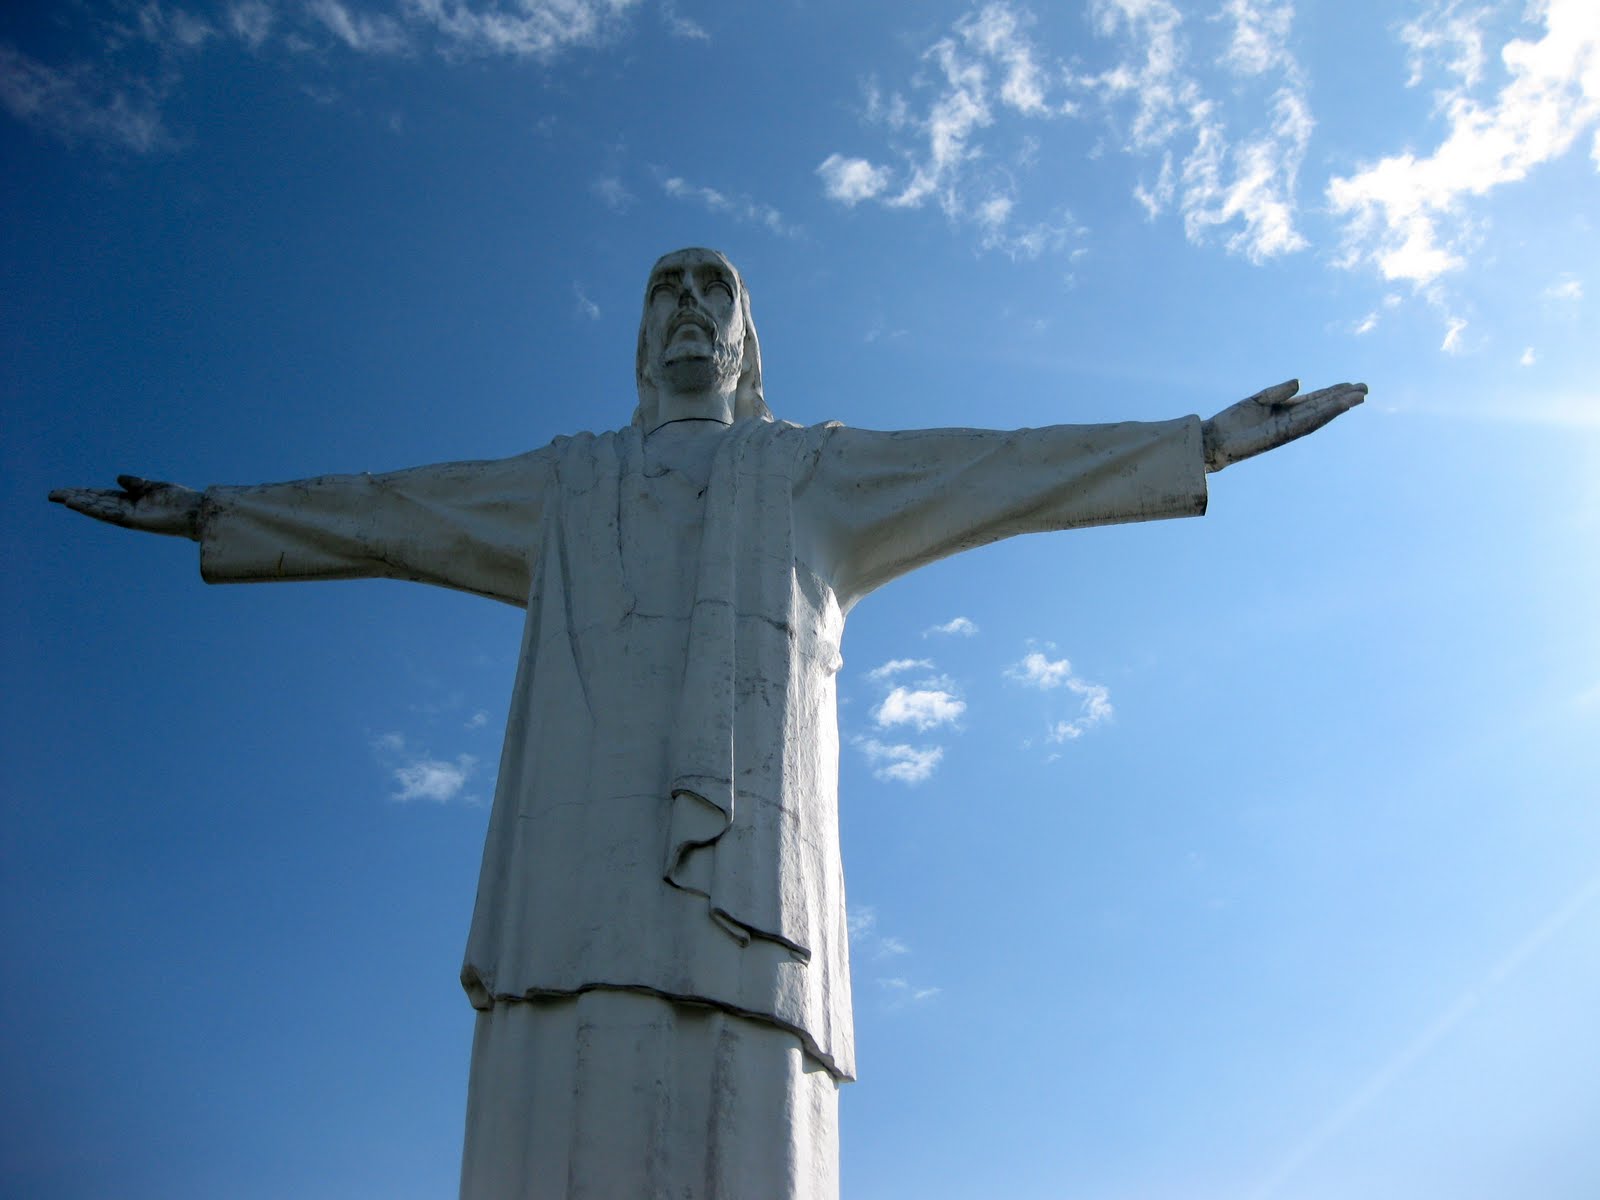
[{"x": 658, "y": 956}]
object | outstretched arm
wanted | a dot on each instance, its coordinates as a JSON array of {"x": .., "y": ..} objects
[
  {"x": 883, "y": 504},
  {"x": 473, "y": 526},
  {"x": 1274, "y": 417},
  {"x": 886, "y": 503}
]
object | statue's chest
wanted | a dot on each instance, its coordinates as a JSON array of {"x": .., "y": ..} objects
[{"x": 661, "y": 522}]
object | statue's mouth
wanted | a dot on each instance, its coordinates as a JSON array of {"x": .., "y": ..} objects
[{"x": 694, "y": 320}]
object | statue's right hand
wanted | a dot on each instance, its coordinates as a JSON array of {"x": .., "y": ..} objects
[{"x": 144, "y": 504}]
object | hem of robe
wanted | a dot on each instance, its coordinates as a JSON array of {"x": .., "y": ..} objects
[
  {"x": 484, "y": 999},
  {"x": 610, "y": 1095}
]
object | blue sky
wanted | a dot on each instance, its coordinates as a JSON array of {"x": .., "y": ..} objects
[{"x": 1254, "y": 856}]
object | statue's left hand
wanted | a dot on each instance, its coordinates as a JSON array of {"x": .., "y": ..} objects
[
  {"x": 148, "y": 505},
  {"x": 1272, "y": 418}
]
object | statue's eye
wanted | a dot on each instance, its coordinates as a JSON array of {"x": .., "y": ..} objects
[{"x": 722, "y": 284}]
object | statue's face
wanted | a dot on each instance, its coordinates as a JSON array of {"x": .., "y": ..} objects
[{"x": 693, "y": 322}]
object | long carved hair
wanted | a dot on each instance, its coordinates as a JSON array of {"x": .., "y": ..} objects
[{"x": 749, "y": 401}]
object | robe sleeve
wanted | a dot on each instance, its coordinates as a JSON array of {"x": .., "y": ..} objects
[
  {"x": 473, "y": 526},
  {"x": 887, "y": 503}
]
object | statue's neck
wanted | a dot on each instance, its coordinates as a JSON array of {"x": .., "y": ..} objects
[{"x": 710, "y": 406}]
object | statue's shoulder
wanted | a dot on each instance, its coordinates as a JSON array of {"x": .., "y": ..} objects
[{"x": 588, "y": 445}]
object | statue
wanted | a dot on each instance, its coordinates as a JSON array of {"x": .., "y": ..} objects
[{"x": 658, "y": 955}]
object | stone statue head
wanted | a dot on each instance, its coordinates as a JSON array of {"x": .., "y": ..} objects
[{"x": 726, "y": 327}]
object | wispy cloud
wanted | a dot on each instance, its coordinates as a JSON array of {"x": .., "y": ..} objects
[
  {"x": 538, "y": 29},
  {"x": 867, "y": 942},
  {"x": 1037, "y": 670},
  {"x": 1214, "y": 179},
  {"x": 81, "y": 103},
  {"x": 680, "y": 26},
  {"x": 115, "y": 101},
  {"x": 907, "y": 993},
  {"x": 955, "y": 626},
  {"x": 1528, "y": 358},
  {"x": 363, "y": 32},
  {"x": 1452, "y": 343},
  {"x": 896, "y": 666},
  {"x": 865, "y": 939},
  {"x": 987, "y": 68},
  {"x": 1567, "y": 288},
  {"x": 1407, "y": 214},
  {"x": 250, "y": 21},
  {"x": 417, "y": 775},
  {"x": 740, "y": 208},
  {"x": 612, "y": 193},
  {"x": 586, "y": 307},
  {"x": 901, "y": 763}
]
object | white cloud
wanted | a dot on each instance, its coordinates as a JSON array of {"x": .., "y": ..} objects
[
  {"x": 1259, "y": 191},
  {"x": 1528, "y": 358},
  {"x": 902, "y": 763},
  {"x": 1036, "y": 670},
  {"x": 417, "y": 775},
  {"x": 433, "y": 779},
  {"x": 904, "y": 992},
  {"x": 363, "y": 32},
  {"x": 996, "y": 33},
  {"x": 1452, "y": 336},
  {"x": 478, "y": 720},
  {"x": 741, "y": 208},
  {"x": 1404, "y": 214},
  {"x": 1258, "y": 42},
  {"x": 852, "y": 180},
  {"x": 1245, "y": 183},
  {"x": 78, "y": 103},
  {"x": 1152, "y": 72},
  {"x": 896, "y": 665},
  {"x": 924, "y": 708},
  {"x": 680, "y": 26},
  {"x": 172, "y": 29},
  {"x": 612, "y": 193},
  {"x": 1367, "y": 324},
  {"x": 250, "y": 21},
  {"x": 985, "y": 69},
  {"x": 527, "y": 29},
  {"x": 1094, "y": 709},
  {"x": 1446, "y": 34},
  {"x": 90, "y": 103},
  {"x": 958, "y": 626},
  {"x": 1569, "y": 288},
  {"x": 860, "y": 920},
  {"x": 586, "y": 307},
  {"x": 862, "y": 923}
]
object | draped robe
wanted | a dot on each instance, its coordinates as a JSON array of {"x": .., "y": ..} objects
[{"x": 665, "y": 816}]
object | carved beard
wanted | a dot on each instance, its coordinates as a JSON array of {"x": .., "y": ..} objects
[{"x": 719, "y": 372}]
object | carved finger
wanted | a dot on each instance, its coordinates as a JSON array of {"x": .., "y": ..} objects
[
  {"x": 93, "y": 502},
  {"x": 1277, "y": 394},
  {"x": 137, "y": 486},
  {"x": 1345, "y": 395}
]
